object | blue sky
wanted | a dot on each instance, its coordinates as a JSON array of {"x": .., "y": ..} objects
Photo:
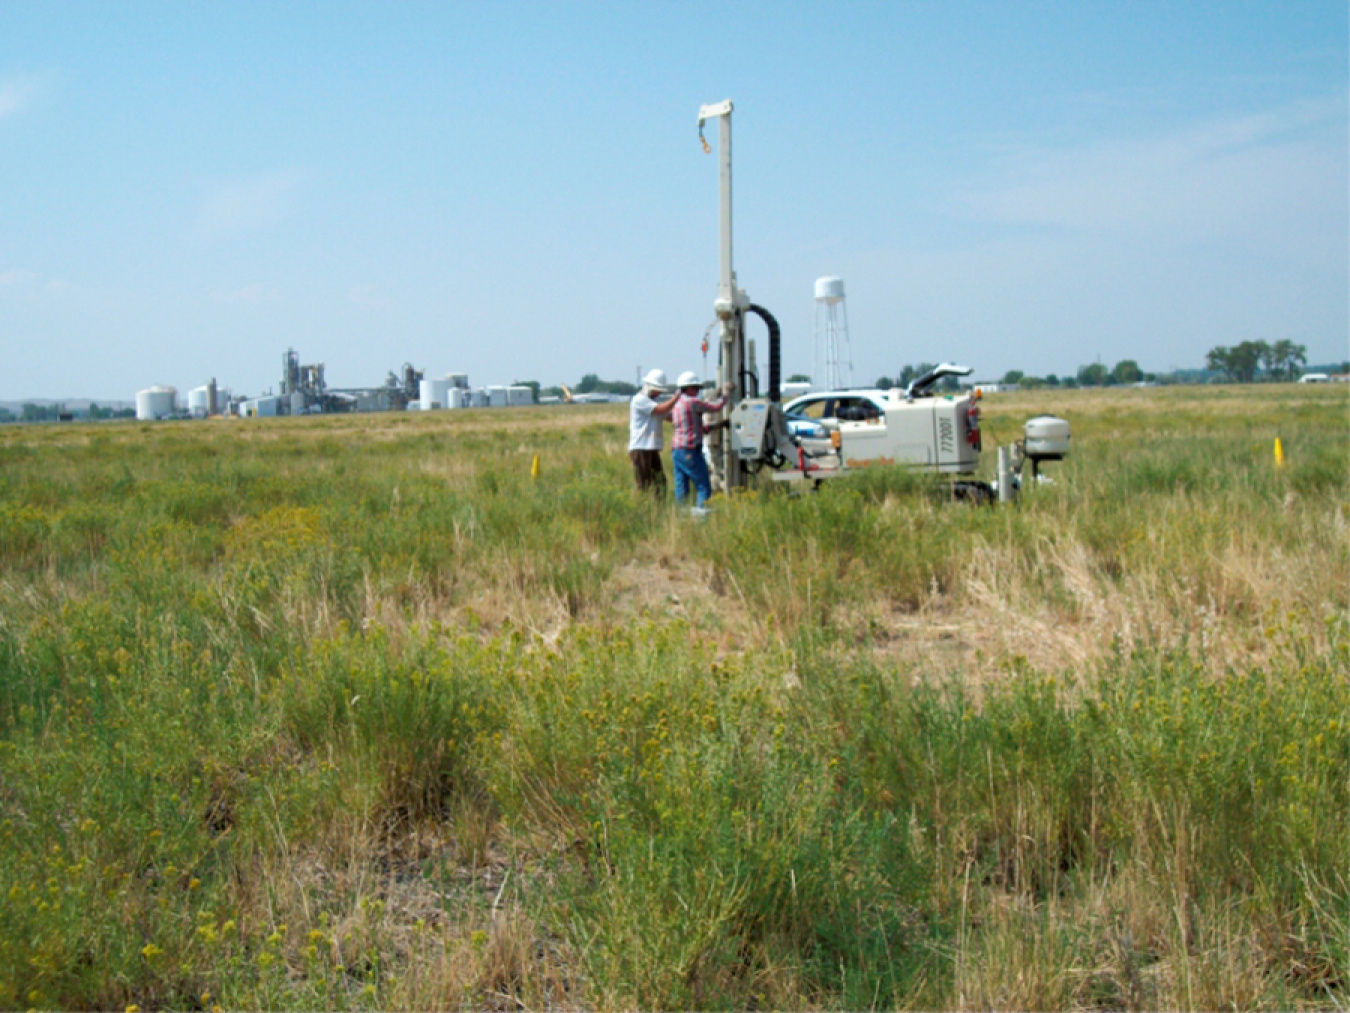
[{"x": 517, "y": 190}]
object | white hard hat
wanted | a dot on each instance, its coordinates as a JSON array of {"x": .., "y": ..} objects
[
  {"x": 687, "y": 379},
  {"x": 656, "y": 378}
]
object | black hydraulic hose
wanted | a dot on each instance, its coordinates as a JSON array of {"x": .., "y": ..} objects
[{"x": 775, "y": 387}]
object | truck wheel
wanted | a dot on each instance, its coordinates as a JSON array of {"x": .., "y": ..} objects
[{"x": 975, "y": 493}]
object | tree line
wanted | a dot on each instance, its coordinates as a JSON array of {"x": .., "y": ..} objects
[
  {"x": 1093, "y": 375},
  {"x": 1247, "y": 362},
  {"x": 30, "y": 412},
  {"x": 1253, "y": 360}
]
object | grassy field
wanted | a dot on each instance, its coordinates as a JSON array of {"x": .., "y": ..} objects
[{"x": 353, "y": 713}]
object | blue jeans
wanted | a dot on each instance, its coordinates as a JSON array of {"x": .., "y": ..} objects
[{"x": 689, "y": 466}]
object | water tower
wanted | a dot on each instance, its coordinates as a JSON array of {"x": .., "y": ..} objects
[{"x": 832, "y": 335}]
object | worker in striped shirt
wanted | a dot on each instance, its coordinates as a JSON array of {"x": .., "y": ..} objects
[{"x": 687, "y": 444}]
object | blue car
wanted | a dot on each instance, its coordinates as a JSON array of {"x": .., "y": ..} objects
[{"x": 801, "y": 427}]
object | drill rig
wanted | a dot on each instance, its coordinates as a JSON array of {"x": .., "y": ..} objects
[
  {"x": 915, "y": 427},
  {"x": 755, "y": 431}
]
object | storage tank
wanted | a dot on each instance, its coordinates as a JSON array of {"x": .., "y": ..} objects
[
  {"x": 156, "y": 403},
  {"x": 434, "y": 394},
  {"x": 830, "y": 290},
  {"x": 518, "y": 395},
  {"x": 497, "y": 397},
  {"x": 199, "y": 401},
  {"x": 457, "y": 397}
]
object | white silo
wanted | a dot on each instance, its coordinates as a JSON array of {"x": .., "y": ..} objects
[
  {"x": 518, "y": 394},
  {"x": 832, "y": 335},
  {"x": 156, "y": 403},
  {"x": 497, "y": 397},
  {"x": 434, "y": 394},
  {"x": 199, "y": 401},
  {"x": 458, "y": 397}
]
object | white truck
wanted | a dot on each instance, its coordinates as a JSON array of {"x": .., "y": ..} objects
[
  {"x": 887, "y": 427},
  {"x": 835, "y": 432}
]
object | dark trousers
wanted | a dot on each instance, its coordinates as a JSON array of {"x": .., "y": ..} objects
[{"x": 647, "y": 471}]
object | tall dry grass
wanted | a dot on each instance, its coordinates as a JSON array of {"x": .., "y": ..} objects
[{"x": 352, "y": 713}]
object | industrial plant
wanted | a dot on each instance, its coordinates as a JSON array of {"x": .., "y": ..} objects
[{"x": 304, "y": 391}]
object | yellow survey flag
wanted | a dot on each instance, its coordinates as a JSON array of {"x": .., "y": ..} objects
[
  {"x": 1279, "y": 453},
  {"x": 534, "y": 468}
]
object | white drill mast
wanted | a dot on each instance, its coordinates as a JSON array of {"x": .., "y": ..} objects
[{"x": 730, "y": 306}]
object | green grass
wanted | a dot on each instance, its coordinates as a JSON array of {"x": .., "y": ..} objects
[{"x": 352, "y": 713}]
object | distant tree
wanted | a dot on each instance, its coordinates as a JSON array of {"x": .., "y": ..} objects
[
  {"x": 1127, "y": 371},
  {"x": 1239, "y": 363},
  {"x": 1030, "y": 382},
  {"x": 798, "y": 378},
  {"x": 6, "y": 415},
  {"x": 1266, "y": 356},
  {"x": 1281, "y": 360},
  {"x": 1248, "y": 358},
  {"x": 533, "y": 385},
  {"x": 884, "y": 383},
  {"x": 39, "y": 413},
  {"x": 587, "y": 384},
  {"x": 1288, "y": 359},
  {"x": 1012, "y": 376},
  {"x": 1069, "y": 383},
  {"x": 1051, "y": 380},
  {"x": 1092, "y": 375},
  {"x": 1216, "y": 359}
]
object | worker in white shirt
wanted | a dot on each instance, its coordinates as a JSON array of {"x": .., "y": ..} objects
[{"x": 645, "y": 416}]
